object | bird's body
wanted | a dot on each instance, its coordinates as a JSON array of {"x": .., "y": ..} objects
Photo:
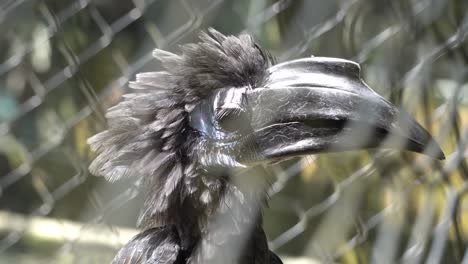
[{"x": 198, "y": 134}]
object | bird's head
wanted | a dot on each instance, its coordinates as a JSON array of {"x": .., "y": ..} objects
[{"x": 222, "y": 104}]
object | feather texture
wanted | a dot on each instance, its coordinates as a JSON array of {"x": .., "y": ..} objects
[
  {"x": 148, "y": 139},
  {"x": 153, "y": 246},
  {"x": 147, "y": 130}
]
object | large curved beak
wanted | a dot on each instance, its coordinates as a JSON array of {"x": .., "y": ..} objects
[{"x": 321, "y": 104}]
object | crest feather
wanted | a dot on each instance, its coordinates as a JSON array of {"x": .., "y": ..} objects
[{"x": 148, "y": 128}]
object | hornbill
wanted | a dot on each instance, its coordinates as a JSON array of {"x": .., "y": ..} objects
[{"x": 197, "y": 137}]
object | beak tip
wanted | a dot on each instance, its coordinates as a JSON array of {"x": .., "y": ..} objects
[
  {"x": 440, "y": 154},
  {"x": 433, "y": 150}
]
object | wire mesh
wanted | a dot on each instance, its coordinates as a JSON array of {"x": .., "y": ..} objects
[{"x": 63, "y": 62}]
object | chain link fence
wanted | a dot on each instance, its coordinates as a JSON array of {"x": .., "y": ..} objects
[{"x": 63, "y": 62}]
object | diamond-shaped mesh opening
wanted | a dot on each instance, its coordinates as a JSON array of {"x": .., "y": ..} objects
[{"x": 64, "y": 62}]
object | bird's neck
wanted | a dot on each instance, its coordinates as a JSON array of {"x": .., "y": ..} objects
[{"x": 224, "y": 209}]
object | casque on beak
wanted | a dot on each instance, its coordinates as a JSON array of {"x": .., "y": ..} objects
[{"x": 318, "y": 104}]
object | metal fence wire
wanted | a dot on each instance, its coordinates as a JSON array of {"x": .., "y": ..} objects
[{"x": 64, "y": 62}]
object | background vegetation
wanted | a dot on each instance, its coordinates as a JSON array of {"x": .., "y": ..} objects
[{"x": 63, "y": 62}]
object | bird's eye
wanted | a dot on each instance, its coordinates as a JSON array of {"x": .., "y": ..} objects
[{"x": 232, "y": 119}]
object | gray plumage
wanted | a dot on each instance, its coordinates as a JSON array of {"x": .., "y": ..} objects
[
  {"x": 148, "y": 137},
  {"x": 195, "y": 136}
]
